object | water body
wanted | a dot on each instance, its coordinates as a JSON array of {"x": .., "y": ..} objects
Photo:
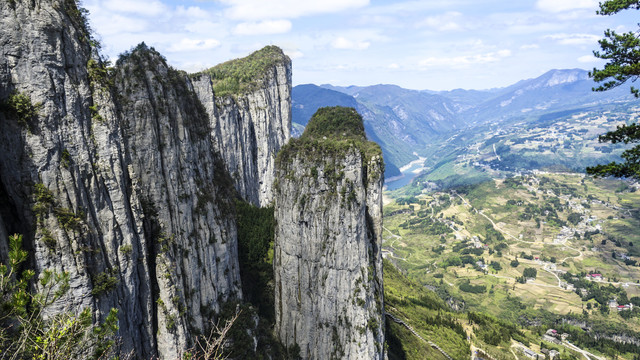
[{"x": 409, "y": 172}]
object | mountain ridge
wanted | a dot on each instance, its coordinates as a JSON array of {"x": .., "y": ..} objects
[{"x": 409, "y": 122}]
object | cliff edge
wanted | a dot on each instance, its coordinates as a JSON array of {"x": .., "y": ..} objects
[{"x": 327, "y": 258}]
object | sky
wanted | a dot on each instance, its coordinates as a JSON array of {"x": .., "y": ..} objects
[{"x": 416, "y": 44}]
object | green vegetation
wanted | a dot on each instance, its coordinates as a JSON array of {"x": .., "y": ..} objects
[
  {"x": 474, "y": 289},
  {"x": 104, "y": 282},
  {"x": 45, "y": 203},
  {"x": 19, "y": 106},
  {"x": 256, "y": 230},
  {"x": 44, "y": 200},
  {"x": 331, "y": 133},
  {"x": 621, "y": 50},
  {"x": 530, "y": 273},
  {"x": 427, "y": 314},
  {"x": 335, "y": 122},
  {"x": 100, "y": 76},
  {"x": 244, "y": 75},
  {"x": 494, "y": 235},
  {"x": 79, "y": 17},
  {"x": 65, "y": 159},
  {"x": 26, "y": 334},
  {"x": 623, "y": 53},
  {"x": 68, "y": 219}
]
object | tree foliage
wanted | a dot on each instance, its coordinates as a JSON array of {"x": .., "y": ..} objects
[
  {"x": 26, "y": 334},
  {"x": 530, "y": 273},
  {"x": 623, "y": 54}
]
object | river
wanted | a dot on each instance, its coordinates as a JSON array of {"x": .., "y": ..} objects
[{"x": 409, "y": 172}]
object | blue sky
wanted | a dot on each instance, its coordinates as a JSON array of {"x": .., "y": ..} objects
[{"x": 423, "y": 44}]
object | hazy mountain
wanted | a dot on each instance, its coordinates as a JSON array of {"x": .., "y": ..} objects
[
  {"x": 306, "y": 99},
  {"x": 409, "y": 122},
  {"x": 555, "y": 90}
]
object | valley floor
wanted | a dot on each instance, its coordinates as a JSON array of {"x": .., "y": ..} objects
[{"x": 529, "y": 250}]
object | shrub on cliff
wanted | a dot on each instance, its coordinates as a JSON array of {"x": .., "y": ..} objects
[
  {"x": 337, "y": 122},
  {"x": 332, "y": 131},
  {"x": 243, "y": 75},
  {"x": 26, "y": 334}
]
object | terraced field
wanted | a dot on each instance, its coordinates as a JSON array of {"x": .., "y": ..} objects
[{"x": 474, "y": 244}]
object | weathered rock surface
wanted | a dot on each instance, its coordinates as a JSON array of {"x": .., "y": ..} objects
[
  {"x": 250, "y": 129},
  {"x": 118, "y": 179},
  {"x": 327, "y": 259}
]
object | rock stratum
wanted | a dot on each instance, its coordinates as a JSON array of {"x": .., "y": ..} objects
[
  {"x": 124, "y": 177},
  {"x": 327, "y": 253}
]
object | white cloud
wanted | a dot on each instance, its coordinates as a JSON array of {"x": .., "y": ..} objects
[
  {"x": 263, "y": 27},
  {"x": 110, "y": 24},
  {"x": 293, "y": 54},
  {"x": 588, "y": 59},
  {"x": 346, "y": 44},
  {"x": 138, "y": 7},
  {"x": 529, "y": 47},
  {"x": 192, "y": 12},
  {"x": 205, "y": 27},
  {"x": 465, "y": 60},
  {"x": 556, "y": 6},
  {"x": 574, "y": 39},
  {"x": 449, "y": 21},
  {"x": 193, "y": 45},
  {"x": 287, "y": 9},
  {"x": 393, "y": 66}
]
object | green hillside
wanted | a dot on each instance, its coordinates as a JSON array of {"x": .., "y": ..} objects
[{"x": 520, "y": 250}]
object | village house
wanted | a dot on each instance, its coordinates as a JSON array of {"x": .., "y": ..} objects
[
  {"x": 482, "y": 265},
  {"x": 626, "y": 307},
  {"x": 594, "y": 276},
  {"x": 566, "y": 285},
  {"x": 531, "y": 354},
  {"x": 550, "y": 339}
]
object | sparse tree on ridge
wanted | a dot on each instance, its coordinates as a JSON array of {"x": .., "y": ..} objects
[{"x": 623, "y": 53}]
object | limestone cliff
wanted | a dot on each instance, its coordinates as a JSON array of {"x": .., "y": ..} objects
[
  {"x": 327, "y": 258},
  {"x": 250, "y": 128},
  {"x": 115, "y": 175}
]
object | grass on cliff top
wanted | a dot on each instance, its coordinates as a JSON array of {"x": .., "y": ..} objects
[
  {"x": 335, "y": 122},
  {"x": 331, "y": 131},
  {"x": 239, "y": 76}
]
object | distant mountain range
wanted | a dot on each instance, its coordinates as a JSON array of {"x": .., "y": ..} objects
[{"x": 411, "y": 123}]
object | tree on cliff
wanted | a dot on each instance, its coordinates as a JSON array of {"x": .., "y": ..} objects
[
  {"x": 623, "y": 53},
  {"x": 25, "y": 333}
]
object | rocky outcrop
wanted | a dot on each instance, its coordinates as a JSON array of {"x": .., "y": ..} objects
[
  {"x": 249, "y": 129},
  {"x": 327, "y": 259},
  {"x": 115, "y": 175}
]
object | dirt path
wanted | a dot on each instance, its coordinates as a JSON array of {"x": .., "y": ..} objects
[{"x": 584, "y": 353}]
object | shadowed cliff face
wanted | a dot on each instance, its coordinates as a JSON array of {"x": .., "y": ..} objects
[
  {"x": 327, "y": 259},
  {"x": 118, "y": 178}
]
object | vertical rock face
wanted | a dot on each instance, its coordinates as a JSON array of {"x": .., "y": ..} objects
[
  {"x": 185, "y": 195},
  {"x": 327, "y": 259},
  {"x": 115, "y": 175},
  {"x": 249, "y": 129}
]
